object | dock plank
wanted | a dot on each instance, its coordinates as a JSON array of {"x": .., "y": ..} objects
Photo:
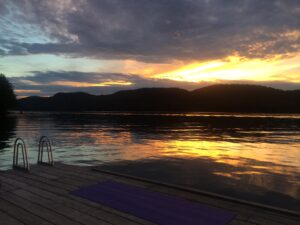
[
  {"x": 38, "y": 210},
  {"x": 20, "y": 214},
  {"x": 8, "y": 220},
  {"x": 43, "y": 197},
  {"x": 67, "y": 202},
  {"x": 241, "y": 222},
  {"x": 110, "y": 214},
  {"x": 89, "y": 174},
  {"x": 60, "y": 209},
  {"x": 55, "y": 183},
  {"x": 244, "y": 212}
]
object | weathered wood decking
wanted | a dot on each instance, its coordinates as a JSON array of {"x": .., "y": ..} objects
[{"x": 42, "y": 197}]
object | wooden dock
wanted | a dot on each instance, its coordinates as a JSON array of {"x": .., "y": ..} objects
[{"x": 42, "y": 197}]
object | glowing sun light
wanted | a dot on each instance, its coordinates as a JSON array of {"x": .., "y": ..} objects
[{"x": 235, "y": 68}]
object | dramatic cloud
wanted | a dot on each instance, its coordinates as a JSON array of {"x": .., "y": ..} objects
[
  {"x": 156, "y": 30},
  {"x": 97, "y": 45}
]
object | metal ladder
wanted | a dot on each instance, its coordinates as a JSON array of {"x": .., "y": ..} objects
[
  {"x": 20, "y": 144},
  {"x": 45, "y": 142}
]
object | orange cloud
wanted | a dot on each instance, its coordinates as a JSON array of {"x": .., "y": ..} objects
[
  {"x": 86, "y": 84},
  {"x": 27, "y": 91}
]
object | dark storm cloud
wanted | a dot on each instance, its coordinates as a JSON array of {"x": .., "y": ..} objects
[{"x": 162, "y": 29}]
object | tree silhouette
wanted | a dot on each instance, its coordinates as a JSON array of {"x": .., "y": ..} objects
[{"x": 7, "y": 95}]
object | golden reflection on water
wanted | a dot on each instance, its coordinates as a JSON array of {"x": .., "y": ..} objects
[
  {"x": 236, "y": 154},
  {"x": 257, "y": 162},
  {"x": 274, "y": 157},
  {"x": 246, "y": 156},
  {"x": 264, "y": 158}
]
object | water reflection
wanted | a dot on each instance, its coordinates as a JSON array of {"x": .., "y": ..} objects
[
  {"x": 7, "y": 130},
  {"x": 255, "y": 157},
  {"x": 206, "y": 174}
]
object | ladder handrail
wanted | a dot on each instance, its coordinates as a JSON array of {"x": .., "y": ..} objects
[
  {"x": 19, "y": 143},
  {"x": 45, "y": 142}
]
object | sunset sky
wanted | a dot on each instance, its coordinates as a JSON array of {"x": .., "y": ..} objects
[{"x": 102, "y": 46}]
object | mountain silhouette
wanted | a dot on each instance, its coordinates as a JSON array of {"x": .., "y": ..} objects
[{"x": 216, "y": 98}]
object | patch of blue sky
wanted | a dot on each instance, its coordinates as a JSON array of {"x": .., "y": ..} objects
[
  {"x": 23, "y": 65},
  {"x": 14, "y": 29}
]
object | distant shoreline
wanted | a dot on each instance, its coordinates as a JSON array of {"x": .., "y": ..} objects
[{"x": 216, "y": 98}]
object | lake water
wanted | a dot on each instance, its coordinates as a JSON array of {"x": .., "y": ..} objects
[{"x": 249, "y": 156}]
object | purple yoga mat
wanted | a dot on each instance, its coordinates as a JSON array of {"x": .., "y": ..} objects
[{"x": 153, "y": 206}]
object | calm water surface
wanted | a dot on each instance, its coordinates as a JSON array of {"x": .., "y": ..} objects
[{"x": 253, "y": 157}]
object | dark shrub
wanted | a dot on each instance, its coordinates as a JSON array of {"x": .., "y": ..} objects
[{"x": 7, "y": 95}]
